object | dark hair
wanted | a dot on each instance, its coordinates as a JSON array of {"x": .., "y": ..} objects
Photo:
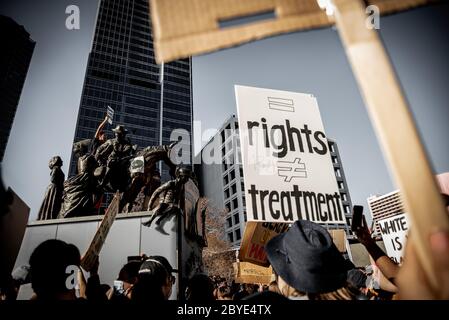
[
  {"x": 150, "y": 280},
  {"x": 130, "y": 271},
  {"x": 200, "y": 289},
  {"x": 48, "y": 264}
]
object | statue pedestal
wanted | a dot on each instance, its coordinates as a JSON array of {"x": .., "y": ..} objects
[{"x": 127, "y": 237}]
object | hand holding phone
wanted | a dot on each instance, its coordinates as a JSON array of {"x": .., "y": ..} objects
[
  {"x": 118, "y": 287},
  {"x": 357, "y": 215}
]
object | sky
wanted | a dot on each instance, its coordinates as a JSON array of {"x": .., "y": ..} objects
[{"x": 308, "y": 62}]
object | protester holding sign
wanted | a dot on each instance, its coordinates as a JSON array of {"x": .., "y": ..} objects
[
  {"x": 308, "y": 265},
  {"x": 287, "y": 169}
]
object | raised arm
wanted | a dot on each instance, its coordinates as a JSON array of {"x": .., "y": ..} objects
[
  {"x": 383, "y": 262},
  {"x": 100, "y": 127}
]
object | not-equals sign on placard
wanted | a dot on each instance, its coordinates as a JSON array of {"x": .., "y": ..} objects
[{"x": 281, "y": 104}]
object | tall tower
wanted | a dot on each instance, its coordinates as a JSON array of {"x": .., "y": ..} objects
[
  {"x": 15, "y": 57},
  {"x": 150, "y": 100}
]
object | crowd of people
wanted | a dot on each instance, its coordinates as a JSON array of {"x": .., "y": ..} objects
[{"x": 306, "y": 266}]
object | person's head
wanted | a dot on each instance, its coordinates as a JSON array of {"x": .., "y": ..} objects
[
  {"x": 357, "y": 279},
  {"x": 224, "y": 292},
  {"x": 183, "y": 174},
  {"x": 129, "y": 273},
  {"x": 55, "y": 161},
  {"x": 200, "y": 289},
  {"x": 306, "y": 261},
  {"x": 154, "y": 281},
  {"x": 120, "y": 132},
  {"x": 49, "y": 266}
]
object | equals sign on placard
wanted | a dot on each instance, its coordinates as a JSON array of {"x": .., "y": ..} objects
[{"x": 281, "y": 104}]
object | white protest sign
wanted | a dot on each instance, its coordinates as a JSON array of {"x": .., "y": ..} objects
[
  {"x": 287, "y": 168},
  {"x": 394, "y": 234},
  {"x": 138, "y": 165},
  {"x": 110, "y": 113}
]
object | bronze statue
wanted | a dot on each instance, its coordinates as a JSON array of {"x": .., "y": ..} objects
[
  {"x": 80, "y": 190},
  {"x": 169, "y": 195},
  {"x": 53, "y": 195},
  {"x": 149, "y": 179},
  {"x": 113, "y": 156}
]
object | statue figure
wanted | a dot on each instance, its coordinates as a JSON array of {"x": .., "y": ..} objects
[
  {"x": 53, "y": 195},
  {"x": 169, "y": 195},
  {"x": 80, "y": 190},
  {"x": 148, "y": 180},
  {"x": 112, "y": 156},
  {"x": 90, "y": 146},
  {"x": 99, "y": 138}
]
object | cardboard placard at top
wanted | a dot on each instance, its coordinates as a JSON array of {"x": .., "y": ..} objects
[{"x": 183, "y": 28}]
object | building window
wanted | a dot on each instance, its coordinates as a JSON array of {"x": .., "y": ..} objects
[
  {"x": 244, "y": 201},
  {"x": 225, "y": 180},
  {"x": 236, "y": 218},
  {"x": 231, "y": 237},
  {"x": 226, "y": 193},
  {"x": 234, "y": 188},
  {"x": 241, "y": 172},
  {"x": 229, "y": 146},
  {"x": 344, "y": 197},
  {"x": 338, "y": 173},
  {"x": 245, "y": 216},
  {"x": 237, "y": 234},
  {"x": 341, "y": 185},
  {"x": 223, "y": 151},
  {"x": 232, "y": 174},
  {"x": 242, "y": 186},
  {"x": 222, "y": 136},
  {"x": 229, "y": 221},
  {"x": 235, "y": 203},
  {"x": 228, "y": 206}
]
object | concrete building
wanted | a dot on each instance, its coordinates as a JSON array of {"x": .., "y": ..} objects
[
  {"x": 223, "y": 184},
  {"x": 15, "y": 58},
  {"x": 385, "y": 206},
  {"x": 150, "y": 100},
  {"x": 342, "y": 187}
]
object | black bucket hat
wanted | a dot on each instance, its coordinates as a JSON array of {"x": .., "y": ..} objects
[{"x": 307, "y": 258}]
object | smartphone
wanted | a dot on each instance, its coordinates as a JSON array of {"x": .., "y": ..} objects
[
  {"x": 118, "y": 287},
  {"x": 134, "y": 258},
  {"x": 357, "y": 216}
]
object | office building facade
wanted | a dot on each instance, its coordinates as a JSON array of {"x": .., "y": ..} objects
[
  {"x": 15, "y": 57},
  {"x": 223, "y": 183},
  {"x": 150, "y": 100},
  {"x": 385, "y": 206}
]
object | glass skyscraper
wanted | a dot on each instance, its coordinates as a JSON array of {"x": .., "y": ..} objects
[
  {"x": 15, "y": 57},
  {"x": 122, "y": 73}
]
